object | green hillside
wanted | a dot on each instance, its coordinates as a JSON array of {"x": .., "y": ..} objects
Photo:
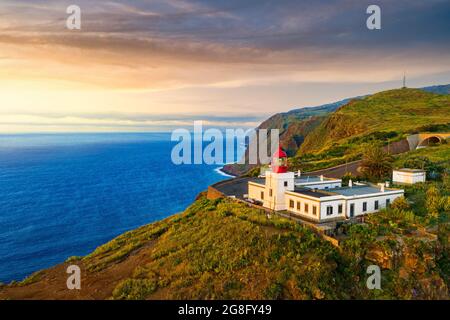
[
  {"x": 438, "y": 155},
  {"x": 336, "y": 133},
  {"x": 396, "y": 112}
]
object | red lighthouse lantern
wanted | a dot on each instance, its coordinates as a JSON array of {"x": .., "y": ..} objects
[{"x": 279, "y": 161}]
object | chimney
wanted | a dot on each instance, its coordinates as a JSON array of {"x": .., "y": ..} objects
[
  {"x": 299, "y": 173},
  {"x": 350, "y": 183},
  {"x": 382, "y": 187},
  {"x": 387, "y": 184},
  {"x": 321, "y": 177}
]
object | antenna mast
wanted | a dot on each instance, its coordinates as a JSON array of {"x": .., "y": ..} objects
[{"x": 404, "y": 80}]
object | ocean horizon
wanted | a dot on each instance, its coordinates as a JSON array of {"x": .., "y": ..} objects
[{"x": 64, "y": 194}]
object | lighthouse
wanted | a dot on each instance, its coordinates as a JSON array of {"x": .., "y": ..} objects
[
  {"x": 278, "y": 180},
  {"x": 279, "y": 161}
]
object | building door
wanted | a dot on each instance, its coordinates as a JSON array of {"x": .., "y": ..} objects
[{"x": 352, "y": 210}]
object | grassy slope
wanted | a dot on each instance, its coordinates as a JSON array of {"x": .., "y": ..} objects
[
  {"x": 222, "y": 249},
  {"x": 439, "y": 154},
  {"x": 401, "y": 110}
]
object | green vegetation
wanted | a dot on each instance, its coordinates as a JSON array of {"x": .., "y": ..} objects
[
  {"x": 409, "y": 242},
  {"x": 122, "y": 246},
  {"x": 320, "y": 138},
  {"x": 433, "y": 159},
  {"x": 223, "y": 249},
  {"x": 394, "y": 112},
  {"x": 376, "y": 164},
  {"x": 31, "y": 279},
  {"x": 386, "y": 118}
]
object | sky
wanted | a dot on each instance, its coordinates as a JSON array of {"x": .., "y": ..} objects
[{"x": 159, "y": 65}]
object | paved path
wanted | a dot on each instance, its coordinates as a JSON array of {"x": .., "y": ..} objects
[{"x": 337, "y": 171}]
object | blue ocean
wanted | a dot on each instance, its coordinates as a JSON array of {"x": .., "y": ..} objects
[{"x": 65, "y": 194}]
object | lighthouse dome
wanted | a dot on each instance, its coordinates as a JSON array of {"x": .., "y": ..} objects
[{"x": 279, "y": 161}]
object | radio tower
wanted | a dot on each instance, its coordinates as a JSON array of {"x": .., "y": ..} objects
[{"x": 404, "y": 80}]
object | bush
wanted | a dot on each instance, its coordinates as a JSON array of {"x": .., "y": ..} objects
[
  {"x": 400, "y": 203},
  {"x": 433, "y": 170},
  {"x": 274, "y": 291},
  {"x": 134, "y": 289}
]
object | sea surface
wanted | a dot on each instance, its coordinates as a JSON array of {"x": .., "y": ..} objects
[{"x": 65, "y": 194}]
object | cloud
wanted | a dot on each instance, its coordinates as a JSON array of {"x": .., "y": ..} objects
[
  {"x": 117, "y": 122},
  {"x": 205, "y": 56}
]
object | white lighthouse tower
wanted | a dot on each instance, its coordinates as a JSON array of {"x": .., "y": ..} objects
[{"x": 278, "y": 181}]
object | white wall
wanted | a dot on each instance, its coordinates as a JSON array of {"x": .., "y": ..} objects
[
  {"x": 370, "y": 203},
  {"x": 276, "y": 183},
  {"x": 301, "y": 212},
  {"x": 254, "y": 191},
  {"x": 408, "y": 177},
  {"x": 335, "y": 205}
]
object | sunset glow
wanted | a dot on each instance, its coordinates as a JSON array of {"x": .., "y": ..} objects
[{"x": 157, "y": 65}]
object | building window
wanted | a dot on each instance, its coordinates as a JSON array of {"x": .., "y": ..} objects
[
  {"x": 364, "y": 206},
  {"x": 298, "y": 205},
  {"x": 388, "y": 202},
  {"x": 329, "y": 210},
  {"x": 285, "y": 183},
  {"x": 376, "y": 205},
  {"x": 315, "y": 210},
  {"x": 270, "y": 192},
  {"x": 291, "y": 204},
  {"x": 262, "y": 195},
  {"x": 306, "y": 208},
  {"x": 326, "y": 187},
  {"x": 340, "y": 208}
]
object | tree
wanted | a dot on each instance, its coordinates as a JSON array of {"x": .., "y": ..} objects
[{"x": 376, "y": 163}]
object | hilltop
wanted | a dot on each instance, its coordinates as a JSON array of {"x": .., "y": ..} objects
[{"x": 395, "y": 111}]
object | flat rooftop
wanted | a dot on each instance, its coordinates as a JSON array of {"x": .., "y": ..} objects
[
  {"x": 306, "y": 179},
  {"x": 358, "y": 190},
  {"x": 409, "y": 170},
  {"x": 315, "y": 193}
]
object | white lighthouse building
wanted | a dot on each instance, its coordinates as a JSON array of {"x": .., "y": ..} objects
[{"x": 317, "y": 198}]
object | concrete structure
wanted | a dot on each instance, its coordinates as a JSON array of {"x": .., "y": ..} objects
[
  {"x": 317, "y": 198},
  {"x": 421, "y": 140},
  {"x": 408, "y": 176}
]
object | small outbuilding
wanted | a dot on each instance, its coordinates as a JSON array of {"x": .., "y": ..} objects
[{"x": 408, "y": 176}]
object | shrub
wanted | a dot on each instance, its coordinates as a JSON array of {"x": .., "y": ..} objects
[
  {"x": 74, "y": 259},
  {"x": 400, "y": 203},
  {"x": 134, "y": 289},
  {"x": 274, "y": 291},
  {"x": 433, "y": 201},
  {"x": 433, "y": 170}
]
